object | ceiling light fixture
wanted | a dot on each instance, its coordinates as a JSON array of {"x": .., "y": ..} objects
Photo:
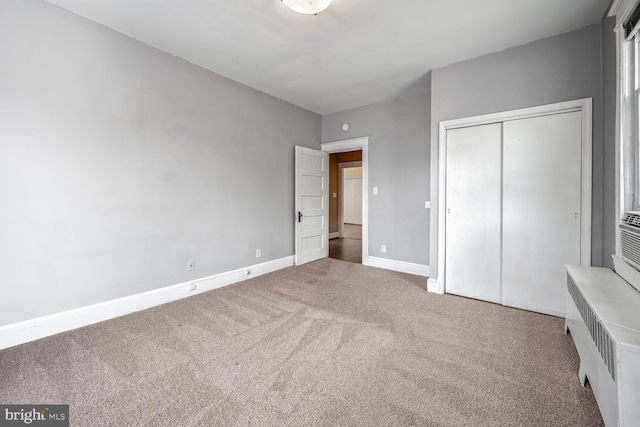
[{"x": 308, "y": 7}]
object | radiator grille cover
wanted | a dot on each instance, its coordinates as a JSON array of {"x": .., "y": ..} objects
[{"x": 598, "y": 333}]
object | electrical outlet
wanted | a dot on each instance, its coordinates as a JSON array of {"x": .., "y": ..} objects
[
  {"x": 192, "y": 286},
  {"x": 191, "y": 265},
  {"x": 383, "y": 248},
  {"x": 258, "y": 253}
]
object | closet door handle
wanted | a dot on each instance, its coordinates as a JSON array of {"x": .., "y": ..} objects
[{"x": 299, "y": 216}]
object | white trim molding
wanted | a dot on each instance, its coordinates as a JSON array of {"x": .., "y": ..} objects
[
  {"x": 354, "y": 145},
  {"x": 401, "y": 266},
  {"x": 345, "y": 145},
  {"x": 41, "y": 327},
  {"x": 621, "y": 78},
  {"x": 438, "y": 285},
  {"x": 433, "y": 287},
  {"x": 622, "y": 9}
]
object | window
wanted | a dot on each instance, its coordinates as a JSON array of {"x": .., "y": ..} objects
[
  {"x": 630, "y": 129},
  {"x": 628, "y": 140}
]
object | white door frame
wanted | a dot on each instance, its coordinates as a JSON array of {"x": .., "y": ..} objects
[
  {"x": 355, "y": 145},
  {"x": 584, "y": 105},
  {"x": 341, "y": 167}
]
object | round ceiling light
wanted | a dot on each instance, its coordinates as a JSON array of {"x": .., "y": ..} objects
[{"x": 308, "y": 7}]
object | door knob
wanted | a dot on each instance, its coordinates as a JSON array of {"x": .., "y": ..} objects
[{"x": 299, "y": 216}]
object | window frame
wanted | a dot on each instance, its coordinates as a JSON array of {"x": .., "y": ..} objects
[{"x": 627, "y": 114}]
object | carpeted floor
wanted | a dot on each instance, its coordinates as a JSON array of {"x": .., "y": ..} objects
[{"x": 329, "y": 343}]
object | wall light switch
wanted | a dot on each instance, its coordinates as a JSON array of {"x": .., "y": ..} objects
[
  {"x": 375, "y": 190},
  {"x": 335, "y": 195},
  {"x": 427, "y": 205}
]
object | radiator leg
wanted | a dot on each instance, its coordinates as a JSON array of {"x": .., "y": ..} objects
[{"x": 582, "y": 375}]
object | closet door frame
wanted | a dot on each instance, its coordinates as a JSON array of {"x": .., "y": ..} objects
[{"x": 584, "y": 106}]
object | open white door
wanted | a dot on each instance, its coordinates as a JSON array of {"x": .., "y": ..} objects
[{"x": 312, "y": 212}]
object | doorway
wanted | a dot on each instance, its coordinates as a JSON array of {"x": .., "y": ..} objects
[
  {"x": 348, "y": 200},
  {"x": 345, "y": 206}
]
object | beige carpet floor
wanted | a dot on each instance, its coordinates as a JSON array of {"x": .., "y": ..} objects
[{"x": 329, "y": 343}]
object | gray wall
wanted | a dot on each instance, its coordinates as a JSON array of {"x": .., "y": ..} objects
[
  {"x": 609, "y": 210},
  {"x": 118, "y": 163},
  {"x": 551, "y": 70},
  {"x": 398, "y": 133}
]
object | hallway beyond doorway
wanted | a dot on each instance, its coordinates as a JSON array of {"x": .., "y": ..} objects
[{"x": 348, "y": 248}]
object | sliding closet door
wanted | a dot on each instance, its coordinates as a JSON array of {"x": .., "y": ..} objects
[
  {"x": 541, "y": 210},
  {"x": 472, "y": 266}
]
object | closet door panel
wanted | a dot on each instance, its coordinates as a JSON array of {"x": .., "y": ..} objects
[
  {"x": 541, "y": 210},
  {"x": 472, "y": 203}
]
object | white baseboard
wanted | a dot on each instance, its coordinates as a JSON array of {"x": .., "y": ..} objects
[
  {"x": 31, "y": 330},
  {"x": 434, "y": 286},
  {"x": 402, "y": 266},
  {"x": 334, "y": 235}
]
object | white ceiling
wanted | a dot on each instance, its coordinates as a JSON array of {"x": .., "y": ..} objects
[{"x": 355, "y": 53}]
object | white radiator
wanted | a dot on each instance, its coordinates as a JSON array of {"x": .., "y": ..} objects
[{"x": 603, "y": 317}]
